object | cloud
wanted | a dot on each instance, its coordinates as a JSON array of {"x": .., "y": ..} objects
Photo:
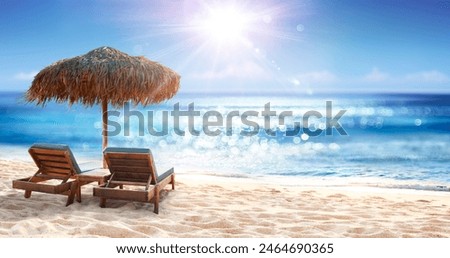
[
  {"x": 315, "y": 77},
  {"x": 430, "y": 77},
  {"x": 427, "y": 77},
  {"x": 376, "y": 76},
  {"x": 24, "y": 76},
  {"x": 246, "y": 70}
]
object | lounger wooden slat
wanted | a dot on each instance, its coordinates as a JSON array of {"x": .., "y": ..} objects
[
  {"x": 128, "y": 176},
  {"x": 128, "y": 156},
  {"x": 134, "y": 169},
  {"x": 131, "y": 180},
  {"x": 46, "y": 151},
  {"x": 52, "y": 170},
  {"x": 55, "y": 164},
  {"x": 130, "y": 163},
  {"x": 133, "y": 166},
  {"x": 51, "y": 158},
  {"x": 50, "y": 176},
  {"x": 126, "y": 162},
  {"x": 118, "y": 182}
]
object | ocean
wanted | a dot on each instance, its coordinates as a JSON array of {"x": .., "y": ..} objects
[{"x": 387, "y": 136}]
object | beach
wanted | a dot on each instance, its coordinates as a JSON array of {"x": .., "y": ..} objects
[{"x": 214, "y": 205}]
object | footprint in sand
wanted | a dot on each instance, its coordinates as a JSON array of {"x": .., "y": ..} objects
[
  {"x": 265, "y": 230},
  {"x": 112, "y": 231},
  {"x": 218, "y": 224},
  {"x": 423, "y": 201},
  {"x": 193, "y": 218}
]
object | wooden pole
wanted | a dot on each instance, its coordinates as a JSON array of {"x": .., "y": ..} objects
[{"x": 105, "y": 129}]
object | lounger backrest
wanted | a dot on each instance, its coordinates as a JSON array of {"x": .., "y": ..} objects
[
  {"x": 54, "y": 159},
  {"x": 131, "y": 164}
]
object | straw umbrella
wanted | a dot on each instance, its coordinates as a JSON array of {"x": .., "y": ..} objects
[{"x": 104, "y": 76}]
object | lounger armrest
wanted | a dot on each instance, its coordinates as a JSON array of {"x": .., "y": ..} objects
[{"x": 165, "y": 175}]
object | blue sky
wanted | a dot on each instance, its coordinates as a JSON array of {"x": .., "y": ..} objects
[{"x": 242, "y": 46}]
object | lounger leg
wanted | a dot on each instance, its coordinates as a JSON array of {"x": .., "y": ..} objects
[
  {"x": 173, "y": 182},
  {"x": 156, "y": 201},
  {"x": 79, "y": 193},
  {"x": 72, "y": 193},
  {"x": 27, "y": 194},
  {"x": 69, "y": 200},
  {"x": 120, "y": 186},
  {"x": 103, "y": 202}
]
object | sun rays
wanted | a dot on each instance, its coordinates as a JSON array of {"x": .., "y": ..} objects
[{"x": 228, "y": 42}]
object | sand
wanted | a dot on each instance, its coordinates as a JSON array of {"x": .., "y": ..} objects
[{"x": 216, "y": 206}]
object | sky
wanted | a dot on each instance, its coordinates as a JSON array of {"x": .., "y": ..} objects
[{"x": 264, "y": 46}]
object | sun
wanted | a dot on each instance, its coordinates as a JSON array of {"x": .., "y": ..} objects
[{"x": 225, "y": 25}]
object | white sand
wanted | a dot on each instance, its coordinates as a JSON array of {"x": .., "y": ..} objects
[{"x": 212, "y": 206}]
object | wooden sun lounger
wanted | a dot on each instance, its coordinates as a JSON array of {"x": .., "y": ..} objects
[
  {"x": 133, "y": 167},
  {"x": 54, "y": 162}
]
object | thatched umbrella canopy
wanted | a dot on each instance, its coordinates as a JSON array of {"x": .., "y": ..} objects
[{"x": 107, "y": 76}]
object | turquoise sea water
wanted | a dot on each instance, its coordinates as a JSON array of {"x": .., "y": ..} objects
[{"x": 404, "y": 137}]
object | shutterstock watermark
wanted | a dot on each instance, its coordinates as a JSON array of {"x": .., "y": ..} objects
[{"x": 212, "y": 121}]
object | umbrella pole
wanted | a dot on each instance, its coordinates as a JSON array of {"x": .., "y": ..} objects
[{"x": 105, "y": 127}]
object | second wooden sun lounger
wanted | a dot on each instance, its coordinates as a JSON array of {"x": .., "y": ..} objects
[{"x": 133, "y": 167}]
